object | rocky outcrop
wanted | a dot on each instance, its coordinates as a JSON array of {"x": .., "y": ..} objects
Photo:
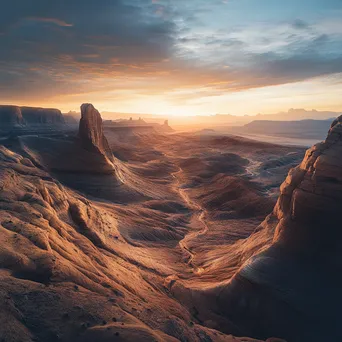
[
  {"x": 11, "y": 116},
  {"x": 42, "y": 116},
  {"x": 292, "y": 289},
  {"x": 14, "y": 116},
  {"x": 72, "y": 118},
  {"x": 310, "y": 200},
  {"x": 165, "y": 127},
  {"x": 91, "y": 132}
]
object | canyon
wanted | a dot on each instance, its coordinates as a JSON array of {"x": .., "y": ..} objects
[{"x": 148, "y": 235}]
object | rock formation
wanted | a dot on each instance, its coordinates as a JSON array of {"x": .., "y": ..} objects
[
  {"x": 309, "y": 206},
  {"x": 165, "y": 127},
  {"x": 91, "y": 131},
  {"x": 72, "y": 118},
  {"x": 42, "y": 116},
  {"x": 11, "y": 116},
  {"x": 292, "y": 289},
  {"x": 14, "y": 116}
]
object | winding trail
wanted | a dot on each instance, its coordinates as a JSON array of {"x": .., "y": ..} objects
[{"x": 198, "y": 215}]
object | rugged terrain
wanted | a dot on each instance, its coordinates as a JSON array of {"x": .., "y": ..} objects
[
  {"x": 128, "y": 235},
  {"x": 287, "y": 281}
]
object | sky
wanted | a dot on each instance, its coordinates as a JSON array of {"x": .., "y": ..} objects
[{"x": 173, "y": 57}]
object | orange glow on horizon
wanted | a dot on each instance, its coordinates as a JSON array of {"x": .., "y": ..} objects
[{"x": 315, "y": 94}]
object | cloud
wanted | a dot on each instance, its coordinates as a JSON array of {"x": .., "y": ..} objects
[
  {"x": 65, "y": 48},
  {"x": 300, "y": 24},
  {"x": 48, "y": 43},
  {"x": 55, "y": 21}
]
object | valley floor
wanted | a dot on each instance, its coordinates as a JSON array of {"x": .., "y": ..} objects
[{"x": 126, "y": 255}]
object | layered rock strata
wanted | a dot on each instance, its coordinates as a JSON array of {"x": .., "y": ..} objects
[{"x": 292, "y": 289}]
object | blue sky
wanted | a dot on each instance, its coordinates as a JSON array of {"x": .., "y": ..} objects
[{"x": 172, "y": 56}]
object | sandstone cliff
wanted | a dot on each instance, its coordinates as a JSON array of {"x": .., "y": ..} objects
[
  {"x": 91, "y": 131},
  {"x": 42, "y": 116},
  {"x": 311, "y": 196},
  {"x": 11, "y": 116},
  {"x": 291, "y": 286},
  {"x": 14, "y": 116}
]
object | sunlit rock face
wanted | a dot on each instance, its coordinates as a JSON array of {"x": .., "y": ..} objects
[
  {"x": 91, "y": 131},
  {"x": 11, "y": 116},
  {"x": 309, "y": 206},
  {"x": 293, "y": 288}
]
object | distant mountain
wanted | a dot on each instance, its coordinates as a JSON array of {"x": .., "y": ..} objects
[
  {"x": 291, "y": 115},
  {"x": 222, "y": 121},
  {"x": 124, "y": 123},
  {"x": 298, "y": 114},
  {"x": 72, "y": 117},
  {"x": 308, "y": 129},
  {"x": 198, "y": 122},
  {"x": 149, "y": 118}
]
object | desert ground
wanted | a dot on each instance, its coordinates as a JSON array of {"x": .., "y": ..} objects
[{"x": 130, "y": 234}]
